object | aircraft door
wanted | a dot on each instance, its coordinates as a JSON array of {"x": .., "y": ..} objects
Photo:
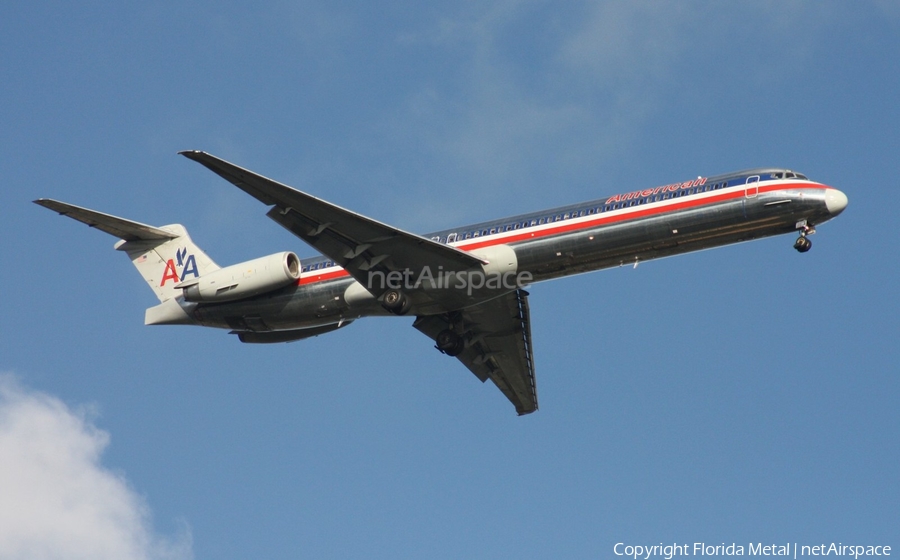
[{"x": 752, "y": 188}]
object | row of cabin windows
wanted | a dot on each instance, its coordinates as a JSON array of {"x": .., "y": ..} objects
[
  {"x": 318, "y": 266},
  {"x": 564, "y": 216},
  {"x": 567, "y": 215},
  {"x": 578, "y": 213},
  {"x": 664, "y": 196}
]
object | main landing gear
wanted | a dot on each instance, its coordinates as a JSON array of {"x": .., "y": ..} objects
[
  {"x": 396, "y": 302},
  {"x": 449, "y": 342},
  {"x": 803, "y": 244}
]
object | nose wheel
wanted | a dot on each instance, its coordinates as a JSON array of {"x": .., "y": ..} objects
[{"x": 803, "y": 244}]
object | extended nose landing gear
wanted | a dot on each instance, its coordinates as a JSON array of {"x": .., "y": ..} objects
[{"x": 803, "y": 244}]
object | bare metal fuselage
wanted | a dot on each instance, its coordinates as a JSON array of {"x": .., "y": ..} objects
[{"x": 561, "y": 242}]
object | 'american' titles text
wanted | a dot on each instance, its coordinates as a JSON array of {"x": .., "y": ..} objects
[{"x": 665, "y": 188}]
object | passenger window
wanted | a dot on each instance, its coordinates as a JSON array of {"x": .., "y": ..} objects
[{"x": 451, "y": 238}]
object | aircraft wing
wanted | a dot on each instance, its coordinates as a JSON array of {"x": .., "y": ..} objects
[
  {"x": 499, "y": 345},
  {"x": 359, "y": 244}
]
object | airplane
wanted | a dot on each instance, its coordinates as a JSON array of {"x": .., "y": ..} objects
[{"x": 465, "y": 286}]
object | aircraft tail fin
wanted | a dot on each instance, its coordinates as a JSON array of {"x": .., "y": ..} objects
[{"x": 165, "y": 256}]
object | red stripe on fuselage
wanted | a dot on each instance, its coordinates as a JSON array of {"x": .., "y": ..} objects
[{"x": 624, "y": 214}]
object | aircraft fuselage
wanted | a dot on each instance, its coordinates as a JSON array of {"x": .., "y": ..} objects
[{"x": 619, "y": 230}]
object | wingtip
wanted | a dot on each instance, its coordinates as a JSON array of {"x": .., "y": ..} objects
[{"x": 191, "y": 154}]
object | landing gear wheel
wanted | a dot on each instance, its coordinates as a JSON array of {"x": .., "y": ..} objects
[
  {"x": 449, "y": 342},
  {"x": 396, "y": 302},
  {"x": 803, "y": 244}
]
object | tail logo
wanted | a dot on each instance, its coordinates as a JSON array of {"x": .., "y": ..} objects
[{"x": 186, "y": 263}]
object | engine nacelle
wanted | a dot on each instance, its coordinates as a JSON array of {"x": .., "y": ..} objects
[{"x": 244, "y": 280}]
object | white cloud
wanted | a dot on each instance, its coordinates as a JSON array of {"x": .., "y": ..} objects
[{"x": 56, "y": 499}]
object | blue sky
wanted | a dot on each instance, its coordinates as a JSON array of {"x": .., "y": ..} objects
[{"x": 746, "y": 394}]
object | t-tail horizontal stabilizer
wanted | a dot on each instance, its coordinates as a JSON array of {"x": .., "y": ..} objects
[
  {"x": 118, "y": 227},
  {"x": 165, "y": 256}
]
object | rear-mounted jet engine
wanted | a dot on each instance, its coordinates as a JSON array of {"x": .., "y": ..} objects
[{"x": 244, "y": 280}]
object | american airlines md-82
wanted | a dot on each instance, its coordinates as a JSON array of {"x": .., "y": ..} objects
[{"x": 464, "y": 286}]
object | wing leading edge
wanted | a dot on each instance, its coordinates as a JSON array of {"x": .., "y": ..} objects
[
  {"x": 498, "y": 345},
  {"x": 359, "y": 244}
]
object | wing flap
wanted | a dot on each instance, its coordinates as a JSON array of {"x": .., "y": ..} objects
[{"x": 499, "y": 348}]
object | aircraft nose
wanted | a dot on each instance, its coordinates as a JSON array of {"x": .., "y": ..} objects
[{"x": 835, "y": 201}]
